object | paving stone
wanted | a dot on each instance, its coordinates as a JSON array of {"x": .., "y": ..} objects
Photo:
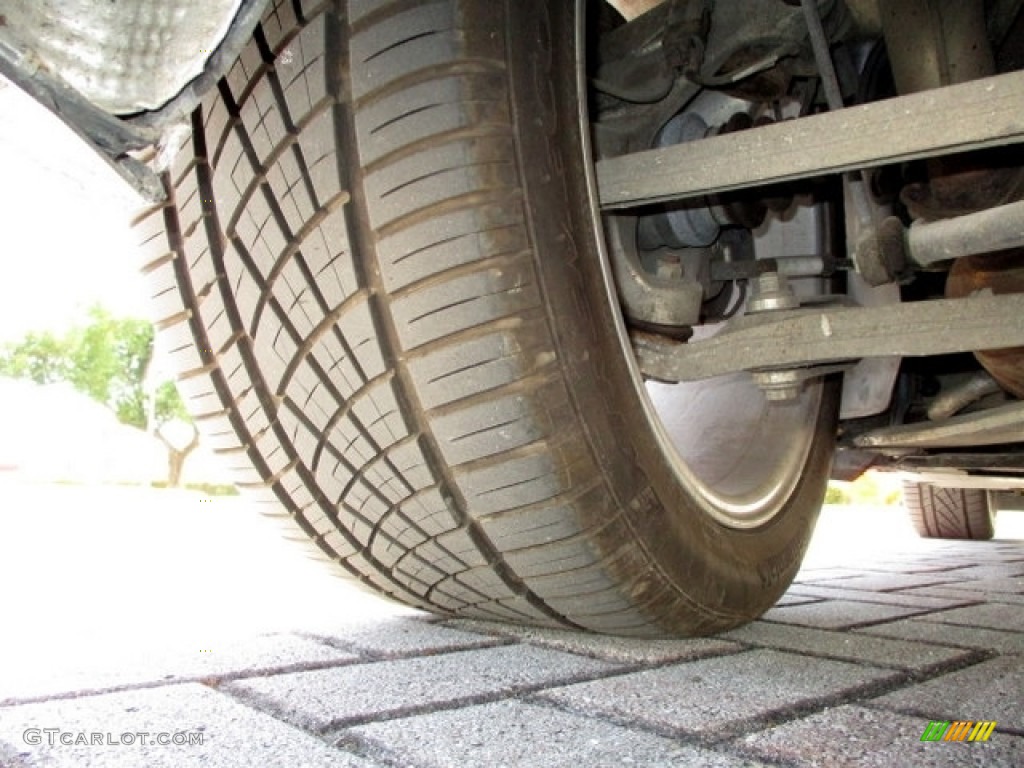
[
  {"x": 626, "y": 650},
  {"x": 360, "y": 692},
  {"x": 991, "y": 615},
  {"x": 974, "y": 595},
  {"x": 792, "y": 598},
  {"x": 225, "y": 657},
  {"x": 856, "y": 737},
  {"x": 949, "y": 635},
  {"x": 880, "y": 582},
  {"x": 908, "y": 564},
  {"x": 232, "y": 734},
  {"x": 824, "y": 591},
  {"x": 825, "y": 574},
  {"x": 954, "y": 564},
  {"x": 514, "y": 733},
  {"x": 717, "y": 695},
  {"x": 403, "y": 637},
  {"x": 991, "y": 570},
  {"x": 483, "y": 694},
  {"x": 992, "y": 690},
  {"x": 1012, "y": 584},
  {"x": 838, "y": 614},
  {"x": 846, "y": 645}
]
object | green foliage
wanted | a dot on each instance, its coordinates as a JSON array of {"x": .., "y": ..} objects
[
  {"x": 39, "y": 357},
  {"x": 169, "y": 404},
  {"x": 872, "y": 489},
  {"x": 837, "y": 495},
  {"x": 106, "y": 359},
  {"x": 210, "y": 489}
]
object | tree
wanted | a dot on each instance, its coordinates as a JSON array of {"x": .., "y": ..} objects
[
  {"x": 109, "y": 359},
  {"x": 169, "y": 412}
]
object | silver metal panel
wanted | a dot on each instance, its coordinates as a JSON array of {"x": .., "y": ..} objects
[
  {"x": 124, "y": 56},
  {"x": 983, "y": 113}
]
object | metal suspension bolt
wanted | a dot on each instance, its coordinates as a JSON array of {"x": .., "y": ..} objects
[
  {"x": 780, "y": 386},
  {"x": 770, "y": 292}
]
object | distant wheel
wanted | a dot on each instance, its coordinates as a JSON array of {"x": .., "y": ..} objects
[{"x": 950, "y": 513}]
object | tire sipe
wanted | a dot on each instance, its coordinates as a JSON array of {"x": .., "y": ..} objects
[{"x": 379, "y": 272}]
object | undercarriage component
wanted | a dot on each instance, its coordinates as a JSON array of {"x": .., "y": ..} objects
[
  {"x": 630, "y": 9},
  {"x": 957, "y": 189},
  {"x": 771, "y": 293},
  {"x": 698, "y": 225},
  {"x": 787, "y": 384},
  {"x": 789, "y": 266},
  {"x": 993, "y": 426},
  {"x": 1009, "y": 462},
  {"x": 950, "y": 42},
  {"x": 870, "y": 226},
  {"x": 881, "y": 251},
  {"x": 820, "y": 45},
  {"x": 822, "y": 336},
  {"x": 999, "y": 273},
  {"x": 124, "y": 57},
  {"x": 994, "y": 229},
  {"x": 111, "y": 138},
  {"x": 124, "y": 72},
  {"x": 953, "y": 400},
  {"x": 868, "y": 385},
  {"x": 954, "y": 479},
  {"x": 654, "y": 301},
  {"x": 868, "y": 135}
]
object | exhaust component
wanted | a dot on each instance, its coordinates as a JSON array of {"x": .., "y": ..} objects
[{"x": 950, "y": 402}]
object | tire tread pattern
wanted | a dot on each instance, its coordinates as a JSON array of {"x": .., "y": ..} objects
[
  {"x": 949, "y": 513},
  {"x": 288, "y": 345},
  {"x": 349, "y": 286}
]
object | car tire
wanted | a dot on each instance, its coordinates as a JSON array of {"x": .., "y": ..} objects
[
  {"x": 937, "y": 512},
  {"x": 377, "y": 269}
]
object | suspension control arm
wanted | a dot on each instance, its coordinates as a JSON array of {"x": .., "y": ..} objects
[{"x": 815, "y": 337}]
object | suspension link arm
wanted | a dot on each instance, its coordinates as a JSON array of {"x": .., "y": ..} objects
[
  {"x": 824, "y": 336},
  {"x": 981, "y": 113}
]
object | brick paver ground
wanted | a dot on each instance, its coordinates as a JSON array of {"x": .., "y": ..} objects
[{"x": 865, "y": 650}]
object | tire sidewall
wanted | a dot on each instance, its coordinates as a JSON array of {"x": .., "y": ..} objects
[{"x": 733, "y": 574}]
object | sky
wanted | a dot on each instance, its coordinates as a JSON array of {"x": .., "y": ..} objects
[{"x": 65, "y": 242}]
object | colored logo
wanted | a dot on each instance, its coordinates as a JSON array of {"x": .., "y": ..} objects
[{"x": 958, "y": 730}]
